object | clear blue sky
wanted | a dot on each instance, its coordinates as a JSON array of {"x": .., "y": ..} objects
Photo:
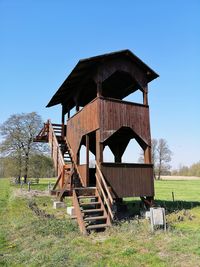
[{"x": 42, "y": 40}]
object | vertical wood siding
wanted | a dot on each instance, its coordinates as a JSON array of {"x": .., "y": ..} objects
[
  {"x": 128, "y": 180},
  {"x": 117, "y": 114},
  {"x": 83, "y": 122}
]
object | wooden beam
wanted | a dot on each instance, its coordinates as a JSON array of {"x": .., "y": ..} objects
[
  {"x": 147, "y": 155},
  {"x": 145, "y": 95},
  {"x": 99, "y": 148},
  {"x": 63, "y": 116},
  {"x": 87, "y": 159},
  {"x": 68, "y": 114},
  {"x": 77, "y": 107},
  {"x": 99, "y": 89}
]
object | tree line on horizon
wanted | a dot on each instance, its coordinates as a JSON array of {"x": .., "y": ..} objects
[{"x": 193, "y": 170}]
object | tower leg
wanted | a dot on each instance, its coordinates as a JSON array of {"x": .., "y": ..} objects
[{"x": 147, "y": 201}]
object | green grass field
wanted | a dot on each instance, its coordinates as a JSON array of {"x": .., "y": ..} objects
[{"x": 27, "y": 239}]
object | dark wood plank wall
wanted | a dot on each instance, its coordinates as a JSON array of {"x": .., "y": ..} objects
[
  {"x": 128, "y": 180},
  {"x": 118, "y": 113},
  {"x": 83, "y": 122},
  {"x": 83, "y": 172}
]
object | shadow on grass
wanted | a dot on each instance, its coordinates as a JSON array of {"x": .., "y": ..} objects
[{"x": 134, "y": 207}]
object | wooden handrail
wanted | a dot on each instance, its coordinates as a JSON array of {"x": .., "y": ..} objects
[
  {"x": 60, "y": 160},
  {"x": 104, "y": 197},
  {"x": 57, "y": 181},
  {"x": 74, "y": 161},
  {"x": 56, "y": 153},
  {"x": 103, "y": 187},
  {"x": 56, "y": 147},
  {"x": 78, "y": 213},
  {"x": 105, "y": 184}
]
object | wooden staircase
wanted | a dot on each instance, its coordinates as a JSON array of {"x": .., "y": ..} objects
[
  {"x": 93, "y": 205},
  {"x": 90, "y": 210}
]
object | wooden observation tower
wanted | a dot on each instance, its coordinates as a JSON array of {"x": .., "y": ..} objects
[{"x": 95, "y": 89}]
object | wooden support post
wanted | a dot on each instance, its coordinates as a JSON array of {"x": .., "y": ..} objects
[
  {"x": 145, "y": 95},
  {"x": 68, "y": 114},
  {"x": 57, "y": 159},
  {"x": 99, "y": 148},
  {"x": 77, "y": 108},
  {"x": 99, "y": 89},
  {"x": 78, "y": 158},
  {"x": 118, "y": 152},
  {"x": 118, "y": 158},
  {"x": 63, "y": 115},
  {"x": 147, "y": 155},
  {"x": 52, "y": 147},
  {"x": 87, "y": 159},
  {"x": 63, "y": 122}
]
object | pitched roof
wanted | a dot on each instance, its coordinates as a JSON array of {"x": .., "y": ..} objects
[{"x": 86, "y": 66}]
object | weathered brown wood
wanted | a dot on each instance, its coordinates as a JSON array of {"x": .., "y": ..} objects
[
  {"x": 145, "y": 95},
  {"x": 78, "y": 213},
  {"x": 119, "y": 113},
  {"x": 103, "y": 182},
  {"x": 128, "y": 180},
  {"x": 99, "y": 89},
  {"x": 98, "y": 85},
  {"x": 99, "y": 148},
  {"x": 83, "y": 173},
  {"x": 82, "y": 123},
  {"x": 147, "y": 155}
]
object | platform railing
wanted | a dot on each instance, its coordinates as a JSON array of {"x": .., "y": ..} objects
[{"x": 104, "y": 191}]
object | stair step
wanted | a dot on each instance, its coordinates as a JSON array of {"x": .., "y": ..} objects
[
  {"x": 89, "y": 203},
  {"x": 91, "y": 210},
  {"x": 96, "y": 226},
  {"x": 95, "y": 218},
  {"x": 83, "y": 197},
  {"x": 85, "y": 188}
]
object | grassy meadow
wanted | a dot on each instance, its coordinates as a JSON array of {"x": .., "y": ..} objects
[{"x": 34, "y": 234}]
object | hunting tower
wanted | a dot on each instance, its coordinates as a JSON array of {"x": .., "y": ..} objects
[{"x": 95, "y": 89}]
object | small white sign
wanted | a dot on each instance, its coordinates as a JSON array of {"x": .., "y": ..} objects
[{"x": 157, "y": 217}]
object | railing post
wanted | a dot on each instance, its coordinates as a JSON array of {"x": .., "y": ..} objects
[
  {"x": 57, "y": 159},
  {"x": 52, "y": 146},
  {"x": 63, "y": 130},
  {"x": 48, "y": 128}
]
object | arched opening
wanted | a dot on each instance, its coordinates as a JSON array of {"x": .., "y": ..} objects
[
  {"x": 136, "y": 97},
  {"x": 126, "y": 146},
  {"x": 92, "y": 159},
  {"x": 82, "y": 155},
  {"x": 133, "y": 153},
  {"x": 108, "y": 155}
]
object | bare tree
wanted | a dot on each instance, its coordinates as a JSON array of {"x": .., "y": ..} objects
[
  {"x": 160, "y": 157},
  {"x": 164, "y": 157},
  {"x": 18, "y": 133},
  {"x": 154, "y": 144}
]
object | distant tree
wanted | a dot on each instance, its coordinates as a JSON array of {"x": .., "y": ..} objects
[
  {"x": 164, "y": 157},
  {"x": 154, "y": 143},
  {"x": 41, "y": 166},
  {"x": 9, "y": 167},
  {"x": 18, "y": 132}
]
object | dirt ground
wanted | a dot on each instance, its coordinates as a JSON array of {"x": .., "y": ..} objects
[{"x": 23, "y": 192}]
